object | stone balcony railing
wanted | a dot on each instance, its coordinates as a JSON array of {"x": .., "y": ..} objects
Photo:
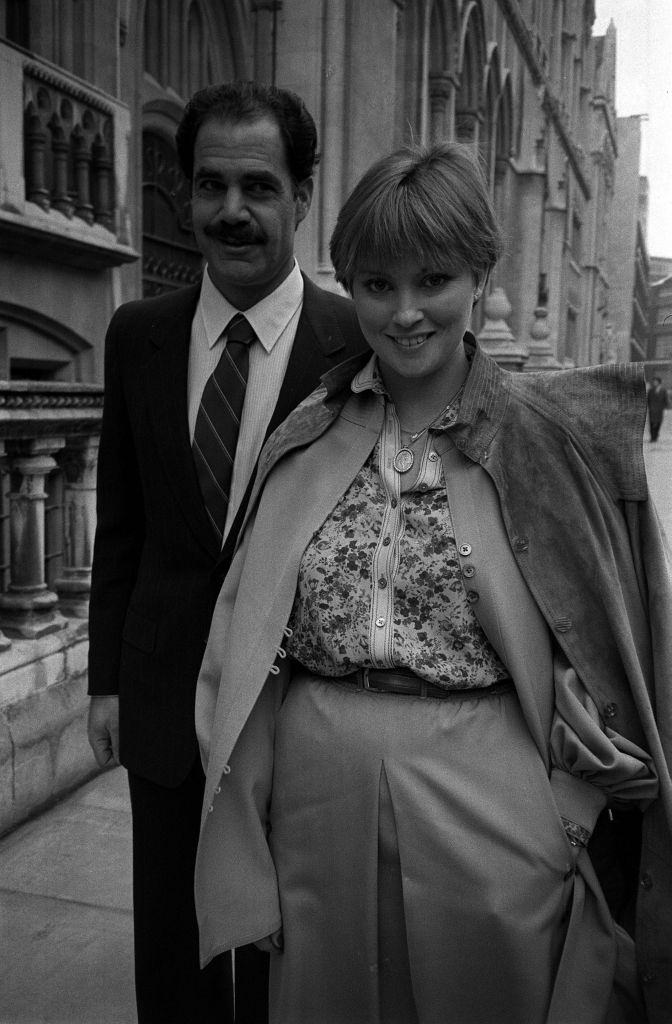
[
  {"x": 64, "y": 165},
  {"x": 48, "y": 446}
]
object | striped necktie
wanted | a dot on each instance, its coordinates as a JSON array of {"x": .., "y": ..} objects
[{"x": 218, "y": 421}]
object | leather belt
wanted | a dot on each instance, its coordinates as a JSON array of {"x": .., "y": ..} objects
[{"x": 410, "y": 685}]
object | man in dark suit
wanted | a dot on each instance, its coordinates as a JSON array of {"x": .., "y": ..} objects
[{"x": 250, "y": 153}]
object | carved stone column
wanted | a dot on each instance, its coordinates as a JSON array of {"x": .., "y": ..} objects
[
  {"x": 5, "y": 642},
  {"x": 27, "y": 609},
  {"x": 496, "y": 337},
  {"x": 441, "y": 98},
  {"x": 541, "y": 352},
  {"x": 78, "y": 460}
]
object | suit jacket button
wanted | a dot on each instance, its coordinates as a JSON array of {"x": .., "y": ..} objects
[
  {"x": 646, "y": 881},
  {"x": 610, "y": 710}
]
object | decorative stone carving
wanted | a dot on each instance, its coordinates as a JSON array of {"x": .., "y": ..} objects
[
  {"x": 28, "y": 607},
  {"x": 78, "y": 460}
]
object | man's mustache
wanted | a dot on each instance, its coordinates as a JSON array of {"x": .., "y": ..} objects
[{"x": 237, "y": 236}]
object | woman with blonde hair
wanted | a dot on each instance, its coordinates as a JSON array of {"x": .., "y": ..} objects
[{"x": 438, "y": 658}]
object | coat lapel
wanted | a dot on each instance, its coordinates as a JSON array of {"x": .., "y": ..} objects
[
  {"x": 256, "y": 599},
  {"x": 166, "y": 388}
]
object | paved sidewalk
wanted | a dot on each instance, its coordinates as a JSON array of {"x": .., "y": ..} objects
[
  {"x": 66, "y": 936},
  {"x": 65, "y": 883}
]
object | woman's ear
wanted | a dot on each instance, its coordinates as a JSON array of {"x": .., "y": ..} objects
[{"x": 480, "y": 281}]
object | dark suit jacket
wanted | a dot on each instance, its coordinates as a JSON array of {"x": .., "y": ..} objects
[{"x": 154, "y": 585}]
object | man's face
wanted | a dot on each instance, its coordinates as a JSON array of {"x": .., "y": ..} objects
[{"x": 245, "y": 207}]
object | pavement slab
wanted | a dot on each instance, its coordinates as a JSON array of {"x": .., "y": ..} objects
[{"x": 66, "y": 928}]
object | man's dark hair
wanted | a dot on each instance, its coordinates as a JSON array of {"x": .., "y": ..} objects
[{"x": 247, "y": 101}]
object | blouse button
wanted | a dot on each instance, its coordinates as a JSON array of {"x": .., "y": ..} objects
[
  {"x": 465, "y": 550},
  {"x": 382, "y": 582},
  {"x": 468, "y": 571},
  {"x": 458, "y": 645},
  {"x": 386, "y": 541},
  {"x": 423, "y": 487},
  {"x": 433, "y": 456},
  {"x": 380, "y": 622}
]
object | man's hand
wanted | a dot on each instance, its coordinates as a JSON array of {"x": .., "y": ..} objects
[
  {"x": 104, "y": 730},
  {"x": 272, "y": 943}
]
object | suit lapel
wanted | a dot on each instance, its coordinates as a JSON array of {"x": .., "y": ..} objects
[
  {"x": 319, "y": 344},
  {"x": 166, "y": 388}
]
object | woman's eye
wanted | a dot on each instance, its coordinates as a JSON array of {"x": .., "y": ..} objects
[
  {"x": 376, "y": 285},
  {"x": 436, "y": 280}
]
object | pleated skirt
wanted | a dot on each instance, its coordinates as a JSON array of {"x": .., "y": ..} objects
[{"x": 424, "y": 873}]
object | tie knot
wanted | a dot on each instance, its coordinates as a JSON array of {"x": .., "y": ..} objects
[{"x": 239, "y": 329}]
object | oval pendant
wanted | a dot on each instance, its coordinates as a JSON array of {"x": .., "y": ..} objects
[{"x": 403, "y": 460}]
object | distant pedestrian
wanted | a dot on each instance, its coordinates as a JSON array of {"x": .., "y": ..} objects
[{"x": 657, "y": 402}]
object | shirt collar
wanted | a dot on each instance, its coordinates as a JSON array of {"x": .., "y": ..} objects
[
  {"x": 369, "y": 379},
  {"x": 268, "y": 318}
]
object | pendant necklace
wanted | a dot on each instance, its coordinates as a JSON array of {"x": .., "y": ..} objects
[{"x": 405, "y": 457}]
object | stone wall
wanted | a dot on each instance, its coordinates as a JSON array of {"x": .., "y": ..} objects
[{"x": 44, "y": 751}]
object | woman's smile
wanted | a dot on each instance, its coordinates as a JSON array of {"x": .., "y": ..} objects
[{"x": 414, "y": 316}]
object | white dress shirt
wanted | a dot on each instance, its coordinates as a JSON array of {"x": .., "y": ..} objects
[{"x": 274, "y": 321}]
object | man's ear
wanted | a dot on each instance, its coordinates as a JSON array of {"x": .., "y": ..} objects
[{"x": 303, "y": 196}]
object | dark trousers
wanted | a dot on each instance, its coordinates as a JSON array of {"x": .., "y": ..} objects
[
  {"x": 655, "y": 423},
  {"x": 170, "y": 986}
]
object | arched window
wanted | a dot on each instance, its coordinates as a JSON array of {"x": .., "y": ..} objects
[
  {"x": 153, "y": 38},
  {"x": 170, "y": 257},
  {"x": 196, "y": 57}
]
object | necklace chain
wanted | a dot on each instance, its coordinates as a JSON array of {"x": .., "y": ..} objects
[
  {"x": 415, "y": 434},
  {"x": 404, "y": 459}
]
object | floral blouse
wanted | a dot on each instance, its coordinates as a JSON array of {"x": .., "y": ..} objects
[{"x": 380, "y": 586}]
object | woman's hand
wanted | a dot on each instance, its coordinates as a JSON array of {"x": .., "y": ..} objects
[{"x": 272, "y": 943}]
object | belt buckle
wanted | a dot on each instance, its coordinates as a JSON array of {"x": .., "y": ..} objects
[{"x": 366, "y": 685}]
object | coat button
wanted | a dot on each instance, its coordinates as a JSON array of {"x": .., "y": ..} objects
[
  {"x": 468, "y": 571},
  {"x": 465, "y": 550},
  {"x": 646, "y": 881},
  {"x": 472, "y": 596},
  {"x": 521, "y": 544},
  {"x": 610, "y": 710}
]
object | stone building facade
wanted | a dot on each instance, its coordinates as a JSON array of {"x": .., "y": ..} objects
[
  {"x": 93, "y": 212},
  {"x": 628, "y": 261}
]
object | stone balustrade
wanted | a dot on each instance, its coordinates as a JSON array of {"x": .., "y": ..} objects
[
  {"x": 68, "y": 147},
  {"x": 49, "y": 441}
]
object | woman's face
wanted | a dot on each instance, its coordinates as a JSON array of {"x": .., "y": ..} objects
[{"x": 414, "y": 315}]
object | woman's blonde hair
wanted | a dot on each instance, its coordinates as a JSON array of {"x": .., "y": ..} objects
[{"x": 432, "y": 201}]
